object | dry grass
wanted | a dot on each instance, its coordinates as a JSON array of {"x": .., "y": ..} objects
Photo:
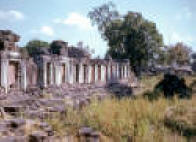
[
  {"x": 122, "y": 118},
  {"x": 118, "y": 119}
]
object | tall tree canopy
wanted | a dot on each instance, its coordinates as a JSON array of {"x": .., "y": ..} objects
[
  {"x": 33, "y": 46},
  {"x": 129, "y": 36},
  {"x": 179, "y": 54}
]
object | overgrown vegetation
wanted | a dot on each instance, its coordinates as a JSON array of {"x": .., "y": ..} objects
[
  {"x": 145, "y": 120},
  {"x": 132, "y": 36}
]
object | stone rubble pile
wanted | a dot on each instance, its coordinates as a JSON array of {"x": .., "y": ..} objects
[{"x": 37, "y": 104}]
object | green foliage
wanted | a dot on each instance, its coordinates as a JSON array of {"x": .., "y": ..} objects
[
  {"x": 33, "y": 47},
  {"x": 131, "y": 37},
  {"x": 103, "y": 15},
  {"x": 179, "y": 54},
  {"x": 136, "y": 39}
]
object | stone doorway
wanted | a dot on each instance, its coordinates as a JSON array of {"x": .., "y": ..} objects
[
  {"x": 14, "y": 74},
  {"x": 48, "y": 73},
  {"x": 99, "y": 72},
  {"x": 93, "y": 74},
  {"x": 120, "y": 72},
  {"x": 1, "y": 45},
  {"x": 77, "y": 73},
  {"x": 85, "y": 73}
]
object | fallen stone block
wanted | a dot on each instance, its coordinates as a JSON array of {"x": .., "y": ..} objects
[{"x": 38, "y": 136}]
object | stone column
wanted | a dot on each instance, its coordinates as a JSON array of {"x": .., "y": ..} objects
[
  {"x": 89, "y": 73},
  {"x": 66, "y": 72},
  {"x": 117, "y": 71},
  {"x": 109, "y": 72},
  {"x": 4, "y": 73},
  {"x": 103, "y": 79},
  {"x": 55, "y": 74},
  {"x": 44, "y": 74},
  {"x": 70, "y": 72},
  {"x": 125, "y": 71},
  {"x": 112, "y": 72},
  {"x": 23, "y": 75},
  {"x": 96, "y": 73},
  {"x": 51, "y": 74},
  {"x": 81, "y": 73},
  {"x": 58, "y": 74}
]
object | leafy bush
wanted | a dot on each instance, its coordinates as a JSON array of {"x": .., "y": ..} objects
[{"x": 171, "y": 85}]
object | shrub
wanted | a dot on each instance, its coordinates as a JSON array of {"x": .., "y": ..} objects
[{"x": 171, "y": 85}]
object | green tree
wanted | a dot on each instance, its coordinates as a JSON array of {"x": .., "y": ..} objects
[
  {"x": 130, "y": 36},
  {"x": 33, "y": 47},
  {"x": 179, "y": 54},
  {"x": 103, "y": 15}
]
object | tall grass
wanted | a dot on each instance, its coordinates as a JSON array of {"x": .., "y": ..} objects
[
  {"x": 119, "y": 119},
  {"x": 122, "y": 118}
]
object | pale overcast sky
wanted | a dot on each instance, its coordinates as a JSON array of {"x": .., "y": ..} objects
[{"x": 67, "y": 20}]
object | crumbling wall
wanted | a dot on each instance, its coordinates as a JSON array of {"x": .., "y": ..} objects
[{"x": 8, "y": 40}]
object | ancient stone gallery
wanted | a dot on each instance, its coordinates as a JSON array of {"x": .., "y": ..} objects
[{"x": 55, "y": 65}]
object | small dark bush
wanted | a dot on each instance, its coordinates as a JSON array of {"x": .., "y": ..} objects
[{"x": 171, "y": 85}]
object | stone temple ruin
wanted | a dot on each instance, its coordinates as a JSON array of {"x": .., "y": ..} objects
[{"x": 55, "y": 65}]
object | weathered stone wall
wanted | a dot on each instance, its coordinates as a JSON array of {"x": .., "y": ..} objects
[{"x": 57, "y": 65}]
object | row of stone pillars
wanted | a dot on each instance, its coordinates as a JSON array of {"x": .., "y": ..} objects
[{"x": 83, "y": 73}]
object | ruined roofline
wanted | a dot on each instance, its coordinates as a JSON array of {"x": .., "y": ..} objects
[
  {"x": 57, "y": 47},
  {"x": 5, "y": 33}
]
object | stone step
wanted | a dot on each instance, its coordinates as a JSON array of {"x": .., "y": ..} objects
[{"x": 14, "y": 139}]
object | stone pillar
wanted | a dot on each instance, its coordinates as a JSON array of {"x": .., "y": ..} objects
[
  {"x": 44, "y": 74},
  {"x": 117, "y": 71},
  {"x": 109, "y": 72},
  {"x": 81, "y": 73},
  {"x": 125, "y": 71},
  {"x": 89, "y": 73},
  {"x": 58, "y": 74},
  {"x": 23, "y": 75},
  {"x": 103, "y": 69},
  {"x": 55, "y": 74},
  {"x": 4, "y": 73},
  {"x": 96, "y": 73},
  {"x": 70, "y": 72},
  {"x": 66, "y": 73},
  {"x": 112, "y": 72},
  {"x": 51, "y": 74}
]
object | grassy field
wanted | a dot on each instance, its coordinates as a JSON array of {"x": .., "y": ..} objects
[{"x": 161, "y": 120}]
